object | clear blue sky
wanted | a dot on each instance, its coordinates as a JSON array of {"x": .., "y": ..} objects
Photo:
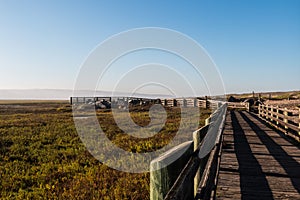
[{"x": 255, "y": 44}]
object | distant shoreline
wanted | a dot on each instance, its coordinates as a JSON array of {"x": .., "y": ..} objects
[{"x": 24, "y": 101}]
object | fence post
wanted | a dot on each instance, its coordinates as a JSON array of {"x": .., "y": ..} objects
[
  {"x": 262, "y": 111},
  {"x": 197, "y": 139},
  {"x": 163, "y": 174},
  {"x": 277, "y": 115},
  {"x": 272, "y": 110},
  {"x": 267, "y": 111},
  {"x": 259, "y": 110},
  {"x": 285, "y": 119}
]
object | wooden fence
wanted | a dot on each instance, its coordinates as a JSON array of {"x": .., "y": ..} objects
[
  {"x": 186, "y": 102},
  {"x": 178, "y": 102},
  {"x": 239, "y": 105},
  {"x": 194, "y": 172},
  {"x": 282, "y": 118}
]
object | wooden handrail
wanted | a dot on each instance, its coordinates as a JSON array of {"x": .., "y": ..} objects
[
  {"x": 283, "y": 118},
  {"x": 167, "y": 183}
]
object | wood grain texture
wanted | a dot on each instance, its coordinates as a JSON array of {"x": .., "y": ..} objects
[{"x": 257, "y": 162}]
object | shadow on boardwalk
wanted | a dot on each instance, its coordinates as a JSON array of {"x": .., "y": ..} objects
[
  {"x": 289, "y": 164},
  {"x": 257, "y": 161},
  {"x": 252, "y": 178}
]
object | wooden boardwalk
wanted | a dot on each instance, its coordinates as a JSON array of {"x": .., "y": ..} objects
[{"x": 257, "y": 162}]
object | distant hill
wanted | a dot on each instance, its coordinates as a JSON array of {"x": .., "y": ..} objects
[
  {"x": 35, "y": 94},
  {"x": 266, "y": 95},
  {"x": 61, "y": 94}
]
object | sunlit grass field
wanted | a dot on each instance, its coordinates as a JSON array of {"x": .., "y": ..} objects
[{"x": 42, "y": 157}]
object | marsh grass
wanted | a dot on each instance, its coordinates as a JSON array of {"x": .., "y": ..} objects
[{"x": 42, "y": 157}]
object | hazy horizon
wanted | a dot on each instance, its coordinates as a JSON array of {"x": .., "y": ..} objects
[
  {"x": 254, "y": 44},
  {"x": 65, "y": 94}
]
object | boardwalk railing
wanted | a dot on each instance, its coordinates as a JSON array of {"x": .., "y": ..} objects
[
  {"x": 282, "y": 118},
  {"x": 241, "y": 105},
  {"x": 194, "y": 172}
]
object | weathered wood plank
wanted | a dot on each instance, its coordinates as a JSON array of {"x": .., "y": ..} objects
[
  {"x": 257, "y": 162},
  {"x": 164, "y": 172}
]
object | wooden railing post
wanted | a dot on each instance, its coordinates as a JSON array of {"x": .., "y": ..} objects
[
  {"x": 198, "y": 136},
  {"x": 277, "y": 115},
  {"x": 163, "y": 174},
  {"x": 272, "y": 110},
  {"x": 263, "y": 111},
  {"x": 267, "y": 111},
  {"x": 197, "y": 140},
  {"x": 285, "y": 119}
]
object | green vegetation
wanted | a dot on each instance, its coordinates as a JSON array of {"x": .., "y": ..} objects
[{"x": 42, "y": 157}]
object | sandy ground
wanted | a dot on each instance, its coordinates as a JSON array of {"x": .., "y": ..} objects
[{"x": 289, "y": 104}]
